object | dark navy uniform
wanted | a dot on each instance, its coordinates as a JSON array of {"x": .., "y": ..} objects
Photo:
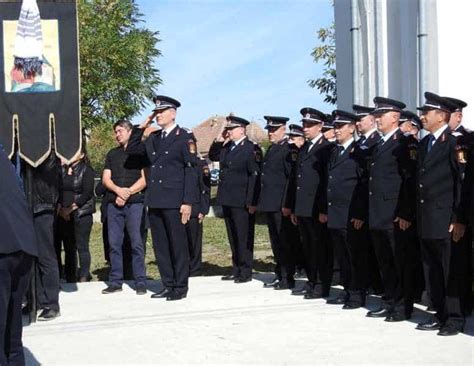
[
  {"x": 345, "y": 201},
  {"x": 438, "y": 205},
  {"x": 238, "y": 189},
  {"x": 172, "y": 181},
  {"x": 17, "y": 251},
  {"x": 307, "y": 196},
  {"x": 194, "y": 227},
  {"x": 276, "y": 171},
  {"x": 391, "y": 195}
]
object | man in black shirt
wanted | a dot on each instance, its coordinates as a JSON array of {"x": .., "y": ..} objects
[{"x": 124, "y": 179}]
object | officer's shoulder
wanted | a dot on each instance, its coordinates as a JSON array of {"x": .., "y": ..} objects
[{"x": 185, "y": 132}]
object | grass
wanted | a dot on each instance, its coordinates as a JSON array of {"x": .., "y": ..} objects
[{"x": 217, "y": 258}]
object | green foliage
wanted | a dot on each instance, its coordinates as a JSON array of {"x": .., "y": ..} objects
[
  {"x": 101, "y": 140},
  {"x": 117, "y": 57},
  {"x": 326, "y": 54}
]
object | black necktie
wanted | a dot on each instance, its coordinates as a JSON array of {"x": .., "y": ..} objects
[
  {"x": 431, "y": 141},
  {"x": 232, "y": 146},
  {"x": 163, "y": 135},
  {"x": 362, "y": 140}
]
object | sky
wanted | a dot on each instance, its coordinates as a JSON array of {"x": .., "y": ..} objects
[{"x": 249, "y": 57}]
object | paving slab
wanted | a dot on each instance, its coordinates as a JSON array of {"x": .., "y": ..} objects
[{"x": 226, "y": 323}]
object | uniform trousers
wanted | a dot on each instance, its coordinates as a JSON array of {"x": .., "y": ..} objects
[
  {"x": 171, "y": 247},
  {"x": 240, "y": 225},
  {"x": 317, "y": 251},
  {"x": 396, "y": 259},
  {"x": 47, "y": 265},
  {"x": 119, "y": 218},
  {"x": 440, "y": 258},
  {"x": 194, "y": 234},
  {"x": 279, "y": 229},
  {"x": 15, "y": 272}
]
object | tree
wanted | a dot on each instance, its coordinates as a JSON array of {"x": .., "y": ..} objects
[
  {"x": 326, "y": 53},
  {"x": 117, "y": 57}
]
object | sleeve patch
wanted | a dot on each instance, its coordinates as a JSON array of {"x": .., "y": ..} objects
[{"x": 192, "y": 146}]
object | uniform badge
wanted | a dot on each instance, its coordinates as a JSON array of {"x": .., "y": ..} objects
[
  {"x": 206, "y": 171},
  {"x": 192, "y": 146},
  {"x": 461, "y": 154},
  {"x": 412, "y": 152},
  {"x": 258, "y": 155},
  {"x": 294, "y": 155},
  {"x": 307, "y": 115}
]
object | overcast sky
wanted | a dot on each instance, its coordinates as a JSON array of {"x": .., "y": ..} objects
[{"x": 250, "y": 57}]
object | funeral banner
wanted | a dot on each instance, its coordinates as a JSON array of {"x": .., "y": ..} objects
[{"x": 39, "y": 79}]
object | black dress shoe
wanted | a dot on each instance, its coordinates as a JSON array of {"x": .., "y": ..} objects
[
  {"x": 432, "y": 324},
  {"x": 140, "y": 289},
  {"x": 272, "y": 283},
  {"x": 300, "y": 273},
  {"x": 48, "y": 314},
  {"x": 228, "y": 278},
  {"x": 397, "y": 317},
  {"x": 173, "y": 296},
  {"x": 163, "y": 293},
  {"x": 284, "y": 285},
  {"x": 112, "y": 289},
  {"x": 311, "y": 295},
  {"x": 340, "y": 300},
  {"x": 379, "y": 313},
  {"x": 243, "y": 279},
  {"x": 450, "y": 330},
  {"x": 352, "y": 305}
]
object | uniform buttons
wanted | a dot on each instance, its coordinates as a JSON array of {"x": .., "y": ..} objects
[
  {"x": 329, "y": 204},
  {"x": 264, "y": 163},
  {"x": 330, "y": 177},
  {"x": 297, "y": 188},
  {"x": 161, "y": 167},
  {"x": 372, "y": 164},
  {"x": 422, "y": 201},
  {"x": 263, "y": 173},
  {"x": 370, "y": 193},
  {"x": 299, "y": 175},
  {"x": 152, "y": 166},
  {"x": 153, "y": 181},
  {"x": 422, "y": 170},
  {"x": 329, "y": 190},
  {"x": 166, "y": 152},
  {"x": 153, "y": 153},
  {"x": 370, "y": 178},
  {"x": 421, "y": 185},
  {"x": 160, "y": 181}
]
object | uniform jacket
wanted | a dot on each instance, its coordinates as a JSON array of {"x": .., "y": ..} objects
[
  {"x": 306, "y": 194},
  {"x": 276, "y": 169},
  {"x": 345, "y": 188},
  {"x": 467, "y": 199},
  {"x": 172, "y": 177},
  {"x": 438, "y": 187},
  {"x": 239, "y": 173},
  {"x": 204, "y": 189},
  {"x": 391, "y": 182},
  {"x": 16, "y": 219}
]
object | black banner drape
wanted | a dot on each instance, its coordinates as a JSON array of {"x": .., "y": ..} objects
[{"x": 35, "y": 118}]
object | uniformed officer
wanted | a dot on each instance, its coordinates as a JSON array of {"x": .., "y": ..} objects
[
  {"x": 391, "y": 210},
  {"x": 276, "y": 170},
  {"x": 194, "y": 225},
  {"x": 346, "y": 207},
  {"x": 17, "y": 253},
  {"x": 455, "y": 120},
  {"x": 296, "y": 141},
  {"x": 366, "y": 265},
  {"x": 172, "y": 189},
  {"x": 410, "y": 123},
  {"x": 328, "y": 129},
  {"x": 238, "y": 189},
  {"x": 306, "y": 197},
  {"x": 440, "y": 219}
]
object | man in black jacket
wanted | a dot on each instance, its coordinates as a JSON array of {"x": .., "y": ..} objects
[
  {"x": 346, "y": 208},
  {"x": 276, "y": 171},
  {"x": 238, "y": 189},
  {"x": 306, "y": 197},
  {"x": 391, "y": 210},
  {"x": 17, "y": 251},
  {"x": 440, "y": 219}
]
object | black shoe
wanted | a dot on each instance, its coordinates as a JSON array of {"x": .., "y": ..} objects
[
  {"x": 140, "y": 289},
  {"x": 432, "y": 324},
  {"x": 352, "y": 305},
  {"x": 272, "y": 283},
  {"x": 308, "y": 287},
  {"x": 243, "y": 279},
  {"x": 379, "y": 313},
  {"x": 111, "y": 289},
  {"x": 397, "y": 317},
  {"x": 284, "y": 285},
  {"x": 163, "y": 293},
  {"x": 228, "y": 278},
  {"x": 173, "y": 296},
  {"x": 48, "y": 314},
  {"x": 340, "y": 300},
  {"x": 311, "y": 295},
  {"x": 450, "y": 330},
  {"x": 300, "y": 273}
]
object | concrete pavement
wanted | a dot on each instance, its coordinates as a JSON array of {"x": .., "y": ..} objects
[{"x": 227, "y": 323}]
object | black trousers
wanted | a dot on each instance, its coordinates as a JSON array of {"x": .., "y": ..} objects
[
  {"x": 170, "y": 245},
  {"x": 47, "y": 269},
  {"x": 280, "y": 229},
  {"x": 441, "y": 257},
  {"x": 194, "y": 234},
  {"x": 318, "y": 252},
  {"x": 15, "y": 272},
  {"x": 240, "y": 227},
  {"x": 396, "y": 259}
]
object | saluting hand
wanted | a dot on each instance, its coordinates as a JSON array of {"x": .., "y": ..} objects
[
  {"x": 185, "y": 212},
  {"x": 403, "y": 224},
  {"x": 457, "y": 231},
  {"x": 149, "y": 120},
  {"x": 357, "y": 223}
]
